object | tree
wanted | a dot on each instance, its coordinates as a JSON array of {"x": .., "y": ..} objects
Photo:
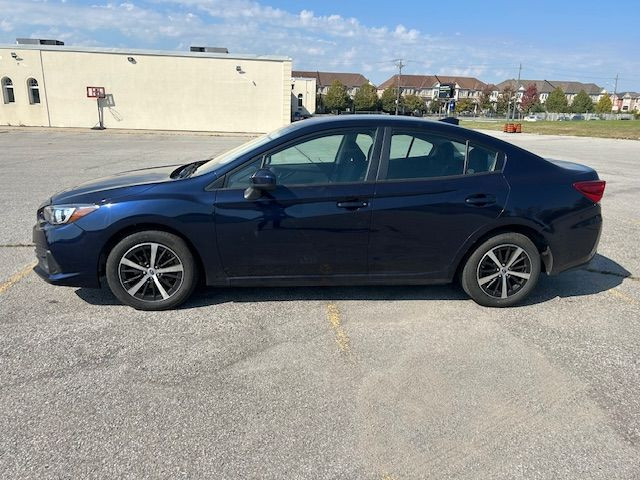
[
  {"x": 529, "y": 98},
  {"x": 337, "y": 97},
  {"x": 582, "y": 103},
  {"x": 504, "y": 99},
  {"x": 484, "y": 101},
  {"x": 388, "y": 100},
  {"x": 537, "y": 108},
  {"x": 413, "y": 103},
  {"x": 557, "y": 102},
  {"x": 464, "y": 105},
  {"x": 604, "y": 105},
  {"x": 366, "y": 98},
  {"x": 435, "y": 106}
]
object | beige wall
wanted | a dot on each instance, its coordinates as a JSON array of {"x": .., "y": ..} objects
[
  {"x": 306, "y": 87},
  {"x": 156, "y": 92},
  {"x": 19, "y": 70}
]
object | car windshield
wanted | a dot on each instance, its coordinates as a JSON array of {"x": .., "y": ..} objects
[{"x": 240, "y": 150}]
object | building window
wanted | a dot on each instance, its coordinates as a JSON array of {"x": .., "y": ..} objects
[
  {"x": 34, "y": 91},
  {"x": 299, "y": 100},
  {"x": 7, "y": 90}
]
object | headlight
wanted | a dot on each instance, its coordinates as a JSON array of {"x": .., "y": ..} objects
[{"x": 59, "y": 214}]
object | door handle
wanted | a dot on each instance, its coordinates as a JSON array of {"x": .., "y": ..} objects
[
  {"x": 480, "y": 200},
  {"x": 353, "y": 204}
]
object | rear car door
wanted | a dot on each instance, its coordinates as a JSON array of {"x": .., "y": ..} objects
[
  {"x": 316, "y": 222},
  {"x": 433, "y": 193}
]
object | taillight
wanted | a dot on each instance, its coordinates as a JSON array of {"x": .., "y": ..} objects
[{"x": 593, "y": 189}]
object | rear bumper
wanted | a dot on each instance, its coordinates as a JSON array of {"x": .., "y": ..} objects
[
  {"x": 575, "y": 242},
  {"x": 64, "y": 257}
]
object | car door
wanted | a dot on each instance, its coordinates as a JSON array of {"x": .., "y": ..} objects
[
  {"x": 433, "y": 193},
  {"x": 316, "y": 222}
]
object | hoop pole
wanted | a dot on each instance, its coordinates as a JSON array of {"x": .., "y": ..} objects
[{"x": 100, "y": 118}]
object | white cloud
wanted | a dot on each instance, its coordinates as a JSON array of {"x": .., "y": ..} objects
[
  {"x": 5, "y": 26},
  {"x": 313, "y": 41}
]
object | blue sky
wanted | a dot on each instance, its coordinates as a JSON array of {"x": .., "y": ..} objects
[{"x": 570, "y": 40}]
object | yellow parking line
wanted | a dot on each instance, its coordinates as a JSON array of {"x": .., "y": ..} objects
[
  {"x": 622, "y": 296},
  {"x": 342, "y": 338},
  {"x": 16, "y": 277}
]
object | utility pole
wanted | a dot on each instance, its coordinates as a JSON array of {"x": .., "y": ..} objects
[
  {"x": 615, "y": 90},
  {"x": 400, "y": 65},
  {"x": 515, "y": 100}
]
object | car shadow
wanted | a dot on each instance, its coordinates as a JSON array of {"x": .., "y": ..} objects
[{"x": 600, "y": 275}]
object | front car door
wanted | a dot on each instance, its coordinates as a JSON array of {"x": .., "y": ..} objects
[
  {"x": 316, "y": 222},
  {"x": 434, "y": 191}
]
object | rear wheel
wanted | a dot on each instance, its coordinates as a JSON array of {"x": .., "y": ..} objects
[
  {"x": 151, "y": 270},
  {"x": 502, "y": 271}
]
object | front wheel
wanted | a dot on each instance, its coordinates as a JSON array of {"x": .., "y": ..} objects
[
  {"x": 502, "y": 271},
  {"x": 151, "y": 270}
]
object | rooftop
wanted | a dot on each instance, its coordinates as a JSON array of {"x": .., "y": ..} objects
[
  {"x": 430, "y": 81},
  {"x": 325, "y": 79},
  {"x": 157, "y": 53},
  {"x": 547, "y": 86}
]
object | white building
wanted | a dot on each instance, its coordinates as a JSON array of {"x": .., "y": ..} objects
[
  {"x": 46, "y": 85},
  {"x": 303, "y": 96}
]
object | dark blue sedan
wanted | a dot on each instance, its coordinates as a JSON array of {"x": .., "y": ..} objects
[{"x": 338, "y": 201}]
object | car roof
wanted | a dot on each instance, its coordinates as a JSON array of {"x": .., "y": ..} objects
[
  {"x": 327, "y": 122},
  {"x": 377, "y": 120}
]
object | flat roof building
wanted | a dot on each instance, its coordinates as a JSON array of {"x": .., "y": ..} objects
[{"x": 46, "y": 85}]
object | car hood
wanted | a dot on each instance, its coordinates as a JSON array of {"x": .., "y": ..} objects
[{"x": 114, "y": 186}]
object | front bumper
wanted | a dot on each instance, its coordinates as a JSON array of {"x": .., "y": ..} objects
[{"x": 63, "y": 256}]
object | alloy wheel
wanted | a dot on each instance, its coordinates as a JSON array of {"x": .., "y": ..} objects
[
  {"x": 150, "y": 272},
  {"x": 503, "y": 271}
]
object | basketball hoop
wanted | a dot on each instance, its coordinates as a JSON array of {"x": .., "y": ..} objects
[{"x": 95, "y": 92}]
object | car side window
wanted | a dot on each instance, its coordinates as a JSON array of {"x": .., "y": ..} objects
[
  {"x": 424, "y": 155},
  {"x": 482, "y": 159},
  {"x": 240, "y": 177},
  {"x": 318, "y": 150},
  {"x": 341, "y": 157}
]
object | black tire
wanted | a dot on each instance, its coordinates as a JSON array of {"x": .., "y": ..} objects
[
  {"x": 487, "y": 275},
  {"x": 166, "y": 288}
]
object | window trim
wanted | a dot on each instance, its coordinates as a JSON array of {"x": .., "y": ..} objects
[
  {"x": 386, "y": 150},
  {"x": 31, "y": 88},
  {"x": 370, "y": 175},
  {"x": 5, "y": 88}
]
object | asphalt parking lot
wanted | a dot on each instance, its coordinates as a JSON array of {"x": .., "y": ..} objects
[{"x": 355, "y": 383}]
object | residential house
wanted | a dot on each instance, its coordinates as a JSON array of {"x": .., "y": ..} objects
[
  {"x": 353, "y": 81},
  {"x": 545, "y": 87},
  {"x": 626, "y": 102},
  {"x": 427, "y": 86}
]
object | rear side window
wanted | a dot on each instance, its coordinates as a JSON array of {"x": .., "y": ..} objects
[
  {"x": 421, "y": 155},
  {"x": 482, "y": 159},
  {"x": 426, "y": 155}
]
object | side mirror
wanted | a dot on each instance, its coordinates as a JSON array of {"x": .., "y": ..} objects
[{"x": 261, "y": 181}]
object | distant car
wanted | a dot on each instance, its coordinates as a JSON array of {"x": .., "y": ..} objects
[
  {"x": 355, "y": 199},
  {"x": 577, "y": 117},
  {"x": 531, "y": 118}
]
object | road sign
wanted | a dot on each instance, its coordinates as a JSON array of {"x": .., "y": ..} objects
[
  {"x": 95, "y": 92},
  {"x": 446, "y": 90}
]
